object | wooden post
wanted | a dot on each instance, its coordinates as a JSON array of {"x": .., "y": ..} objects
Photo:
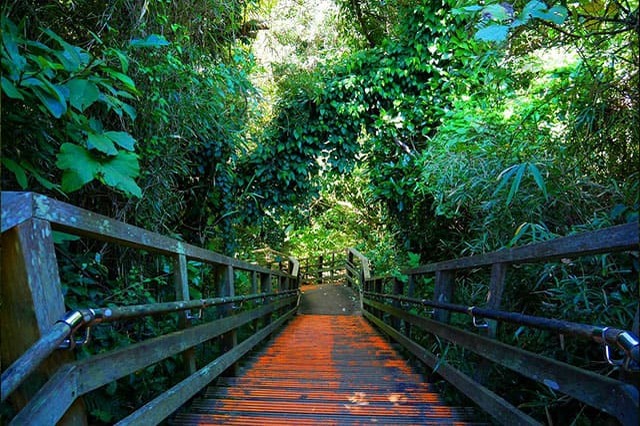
[
  {"x": 254, "y": 282},
  {"x": 32, "y": 302},
  {"x": 410, "y": 293},
  {"x": 254, "y": 290},
  {"x": 265, "y": 287},
  {"x": 443, "y": 292},
  {"x": 494, "y": 298},
  {"x": 333, "y": 265},
  {"x": 398, "y": 288},
  {"x": 181, "y": 282},
  {"x": 349, "y": 266},
  {"x": 225, "y": 283},
  {"x": 319, "y": 273},
  {"x": 378, "y": 287}
]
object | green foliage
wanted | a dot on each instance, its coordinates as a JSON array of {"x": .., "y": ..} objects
[
  {"x": 56, "y": 98},
  {"x": 498, "y": 19}
]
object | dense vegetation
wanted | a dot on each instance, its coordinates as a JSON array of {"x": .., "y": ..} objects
[{"x": 417, "y": 131}]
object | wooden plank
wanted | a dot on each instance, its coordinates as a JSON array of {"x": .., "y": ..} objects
[
  {"x": 504, "y": 412},
  {"x": 32, "y": 302},
  {"x": 17, "y": 207},
  {"x": 48, "y": 407},
  {"x": 181, "y": 282},
  {"x": 612, "y": 396},
  {"x": 32, "y": 359},
  {"x": 161, "y": 407},
  {"x": 616, "y": 238}
]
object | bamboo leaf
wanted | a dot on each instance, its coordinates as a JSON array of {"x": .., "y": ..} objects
[
  {"x": 537, "y": 176},
  {"x": 515, "y": 185}
]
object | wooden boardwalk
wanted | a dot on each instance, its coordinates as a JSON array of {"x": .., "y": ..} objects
[{"x": 324, "y": 369}]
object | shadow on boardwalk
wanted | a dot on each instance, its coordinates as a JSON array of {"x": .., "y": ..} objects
[{"x": 329, "y": 299}]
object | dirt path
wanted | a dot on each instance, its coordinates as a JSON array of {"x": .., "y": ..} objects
[{"x": 329, "y": 299}]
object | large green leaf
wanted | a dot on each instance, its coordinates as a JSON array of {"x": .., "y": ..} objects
[
  {"x": 125, "y": 79},
  {"x": 493, "y": 33},
  {"x": 557, "y": 15},
  {"x": 101, "y": 142},
  {"x": 496, "y": 12},
  {"x": 10, "y": 90},
  {"x": 153, "y": 40},
  {"x": 17, "y": 170},
  {"x": 531, "y": 9},
  {"x": 79, "y": 166},
  {"x": 51, "y": 100},
  {"x": 17, "y": 62},
  {"x": 82, "y": 93},
  {"x": 123, "y": 139},
  {"x": 120, "y": 171}
]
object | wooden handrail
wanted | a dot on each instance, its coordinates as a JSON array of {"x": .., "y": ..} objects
[
  {"x": 608, "y": 240},
  {"x": 18, "y": 207},
  {"x": 33, "y": 296},
  {"x": 383, "y": 307}
]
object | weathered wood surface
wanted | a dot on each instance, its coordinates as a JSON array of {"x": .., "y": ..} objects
[
  {"x": 364, "y": 263},
  {"x": 504, "y": 412},
  {"x": 32, "y": 359},
  {"x": 17, "y": 207},
  {"x": 32, "y": 302},
  {"x": 181, "y": 283},
  {"x": 494, "y": 300},
  {"x": 161, "y": 407},
  {"x": 61, "y": 394},
  {"x": 615, "y": 397},
  {"x": 443, "y": 293},
  {"x": 616, "y": 238}
]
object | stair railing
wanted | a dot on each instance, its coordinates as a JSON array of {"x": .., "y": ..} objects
[
  {"x": 45, "y": 383},
  {"x": 390, "y": 305},
  {"x": 328, "y": 268}
]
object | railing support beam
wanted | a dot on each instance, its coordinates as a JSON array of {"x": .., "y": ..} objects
[
  {"x": 443, "y": 292},
  {"x": 32, "y": 302},
  {"x": 181, "y": 282}
]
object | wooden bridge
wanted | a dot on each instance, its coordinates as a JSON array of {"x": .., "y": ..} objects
[{"x": 267, "y": 364}]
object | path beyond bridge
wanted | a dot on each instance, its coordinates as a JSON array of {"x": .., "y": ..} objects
[{"x": 328, "y": 366}]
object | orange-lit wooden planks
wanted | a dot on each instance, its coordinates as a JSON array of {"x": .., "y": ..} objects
[{"x": 324, "y": 369}]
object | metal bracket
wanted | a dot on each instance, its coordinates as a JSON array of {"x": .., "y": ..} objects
[
  {"x": 476, "y": 324},
  {"x": 194, "y": 317},
  {"x": 625, "y": 342},
  {"x": 75, "y": 320},
  {"x": 607, "y": 351},
  {"x": 72, "y": 343}
]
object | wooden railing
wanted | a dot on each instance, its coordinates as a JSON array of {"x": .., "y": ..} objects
[
  {"x": 390, "y": 304},
  {"x": 327, "y": 268},
  {"x": 45, "y": 384}
]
